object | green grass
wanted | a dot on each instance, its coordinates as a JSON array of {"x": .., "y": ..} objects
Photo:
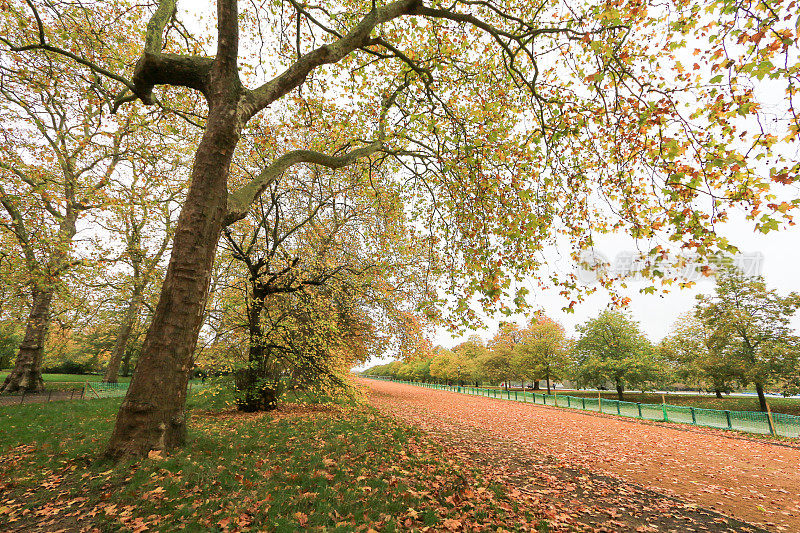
[
  {"x": 328, "y": 467},
  {"x": 71, "y": 378}
]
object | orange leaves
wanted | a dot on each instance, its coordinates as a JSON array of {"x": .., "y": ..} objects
[{"x": 301, "y": 518}]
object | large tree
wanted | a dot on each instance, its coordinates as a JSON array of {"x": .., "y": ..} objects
[
  {"x": 509, "y": 122},
  {"x": 749, "y": 325}
]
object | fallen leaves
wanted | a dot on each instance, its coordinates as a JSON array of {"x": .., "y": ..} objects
[{"x": 585, "y": 469}]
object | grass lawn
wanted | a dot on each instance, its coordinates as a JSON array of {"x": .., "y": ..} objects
[
  {"x": 329, "y": 467},
  {"x": 71, "y": 377}
]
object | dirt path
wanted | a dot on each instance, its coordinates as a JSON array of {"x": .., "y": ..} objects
[
  {"x": 757, "y": 482},
  {"x": 41, "y": 397}
]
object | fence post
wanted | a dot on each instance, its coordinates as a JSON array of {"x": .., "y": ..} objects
[
  {"x": 618, "y": 411},
  {"x": 569, "y": 402},
  {"x": 664, "y": 409},
  {"x": 639, "y": 405},
  {"x": 769, "y": 419},
  {"x": 728, "y": 416},
  {"x": 583, "y": 403},
  {"x": 694, "y": 418}
]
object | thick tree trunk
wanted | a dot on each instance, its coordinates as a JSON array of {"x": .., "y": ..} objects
[
  {"x": 27, "y": 373},
  {"x": 620, "y": 391},
  {"x": 762, "y": 399},
  {"x": 718, "y": 393},
  {"x": 122, "y": 337},
  {"x": 548, "y": 383},
  {"x": 536, "y": 385},
  {"x": 152, "y": 417}
]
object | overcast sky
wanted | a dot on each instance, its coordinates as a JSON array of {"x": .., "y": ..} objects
[{"x": 656, "y": 313}]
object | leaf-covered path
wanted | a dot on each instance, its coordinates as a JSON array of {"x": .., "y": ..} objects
[{"x": 608, "y": 471}]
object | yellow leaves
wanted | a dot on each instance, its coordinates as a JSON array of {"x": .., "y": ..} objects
[
  {"x": 301, "y": 518},
  {"x": 155, "y": 455}
]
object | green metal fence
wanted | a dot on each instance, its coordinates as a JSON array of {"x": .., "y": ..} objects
[{"x": 749, "y": 421}]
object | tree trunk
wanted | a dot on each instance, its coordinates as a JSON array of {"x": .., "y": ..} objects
[
  {"x": 548, "y": 383},
  {"x": 718, "y": 393},
  {"x": 620, "y": 391},
  {"x": 27, "y": 373},
  {"x": 536, "y": 385},
  {"x": 122, "y": 337},
  {"x": 152, "y": 417},
  {"x": 126, "y": 363},
  {"x": 257, "y": 390},
  {"x": 762, "y": 399}
]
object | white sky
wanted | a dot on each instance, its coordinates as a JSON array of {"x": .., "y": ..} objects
[{"x": 656, "y": 313}]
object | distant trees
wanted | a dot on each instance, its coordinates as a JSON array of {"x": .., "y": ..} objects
[
  {"x": 741, "y": 335},
  {"x": 748, "y": 328},
  {"x": 542, "y": 353},
  {"x": 613, "y": 350},
  {"x": 695, "y": 359}
]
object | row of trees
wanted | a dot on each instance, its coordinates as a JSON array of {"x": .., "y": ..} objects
[
  {"x": 493, "y": 130},
  {"x": 740, "y": 336}
]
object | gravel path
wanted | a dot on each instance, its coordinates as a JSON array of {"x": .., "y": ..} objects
[{"x": 753, "y": 481}]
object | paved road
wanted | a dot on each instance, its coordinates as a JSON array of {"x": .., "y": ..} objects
[{"x": 754, "y": 481}]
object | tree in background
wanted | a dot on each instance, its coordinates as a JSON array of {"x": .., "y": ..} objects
[
  {"x": 441, "y": 366},
  {"x": 750, "y": 327},
  {"x": 543, "y": 352},
  {"x": 58, "y": 152},
  {"x": 612, "y": 349},
  {"x": 327, "y": 236},
  {"x": 467, "y": 357},
  {"x": 696, "y": 359}
]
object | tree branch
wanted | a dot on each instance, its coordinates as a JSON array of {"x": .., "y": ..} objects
[{"x": 294, "y": 76}]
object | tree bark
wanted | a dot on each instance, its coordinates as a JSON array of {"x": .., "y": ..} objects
[
  {"x": 620, "y": 391},
  {"x": 718, "y": 393},
  {"x": 27, "y": 373},
  {"x": 152, "y": 417},
  {"x": 122, "y": 337},
  {"x": 762, "y": 399}
]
